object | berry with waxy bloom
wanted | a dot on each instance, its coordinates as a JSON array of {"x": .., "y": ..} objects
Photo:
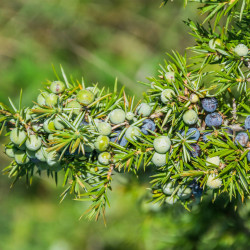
[
  {"x": 104, "y": 158},
  {"x": 167, "y": 95},
  {"x": 242, "y": 139},
  {"x": 49, "y": 126},
  {"x": 10, "y": 152},
  {"x": 213, "y": 120},
  {"x": 184, "y": 192},
  {"x": 51, "y": 99},
  {"x": 159, "y": 160},
  {"x": 144, "y": 110},
  {"x": 213, "y": 43},
  {"x": 58, "y": 123},
  {"x": 122, "y": 142},
  {"x": 33, "y": 142},
  {"x": 41, "y": 154},
  {"x": 41, "y": 98},
  {"x": 247, "y": 122},
  {"x": 102, "y": 143},
  {"x": 170, "y": 77},
  {"x": 171, "y": 200},
  {"x": 162, "y": 144},
  {"x": 130, "y": 116},
  {"x": 194, "y": 98},
  {"x": 241, "y": 50},
  {"x": 85, "y": 97},
  {"x": 248, "y": 156},
  {"x": 196, "y": 152},
  {"x": 21, "y": 157},
  {"x": 104, "y": 128},
  {"x": 57, "y": 87},
  {"x": 195, "y": 136},
  {"x": 74, "y": 107},
  {"x": 17, "y": 136},
  {"x": 132, "y": 133},
  {"x": 117, "y": 116},
  {"x": 168, "y": 188},
  {"x": 213, "y": 181},
  {"x": 52, "y": 158},
  {"x": 190, "y": 117},
  {"x": 209, "y": 104},
  {"x": 213, "y": 160},
  {"x": 148, "y": 124}
]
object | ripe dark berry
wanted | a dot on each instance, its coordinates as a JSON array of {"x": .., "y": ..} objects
[
  {"x": 209, "y": 104},
  {"x": 122, "y": 142},
  {"x": 205, "y": 139},
  {"x": 247, "y": 123},
  {"x": 196, "y": 189},
  {"x": 147, "y": 125},
  {"x": 242, "y": 139},
  {"x": 213, "y": 120},
  {"x": 248, "y": 156},
  {"x": 196, "y": 150},
  {"x": 195, "y": 136}
]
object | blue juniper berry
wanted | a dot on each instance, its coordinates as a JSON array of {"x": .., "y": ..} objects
[
  {"x": 209, "y": 104},
  {"x": 195, "y": 136},
  {"x": 242, "y": 138},
  {"x": 213, "y": 120},
  {"x": 147, "y": 124},
  {"x": 122, "y": 142},
  {"x": 247, "y": 123},
  {"x": 248, "y": 156},
  {"x": 196, "y": 152}
]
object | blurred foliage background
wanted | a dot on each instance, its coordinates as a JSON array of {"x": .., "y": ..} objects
[{"x": 100, "y": 40}]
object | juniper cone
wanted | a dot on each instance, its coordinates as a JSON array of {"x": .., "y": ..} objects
[{"x": 87, "y": 133}]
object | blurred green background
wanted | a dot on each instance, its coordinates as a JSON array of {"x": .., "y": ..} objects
[{"x": 100, "y": 40}]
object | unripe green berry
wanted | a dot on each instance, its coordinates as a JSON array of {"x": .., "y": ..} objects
[
  {"x": 31, "y": 154},
  {"x": 102, "y": 143},
  {"x": 21, "y": 157},
  {"x": 167, "y": 95},
  {"x": 170, "y": 77},
  {"x": 194, "y": 98},
  {"x": 213, "y": 43},
  {"x": 159, "y": 160},
  {"x": 57, "y": 87},
  {"x": 130, "y": 116},
  {"x": 41, "y": 98},
  {"x": 104, "y": 128},
  {"x": 241, "y": 50},
  {"x": 132, "y": 133},
  {"x": 144, "y": 110},
  {"x": 117, "y": 116},
  {"x": 17, "y": 136},
  {"x": 52, "y": 158},
  {"x": 85, "y": 97},
  {"x": 49, "y": 126},
  {"x": 104, "y": 158},
  {"x": 10, "y": 152},
  {"x": 171, "y": 200},
  {"x": 51, "y": 99},
  {"x": 162, "y": 144},
  {"x": 58, "y": 123},
  {"x": 41, "y": 154},
  {"x": 190, "y": 117},
  {"x": 75, "y": 106},
  {"x": 184, "y": 193},
  {"x": 168, "y": 188},
  {"x": 33, "y": 143},
  {"x": 213, "y": 160}
]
